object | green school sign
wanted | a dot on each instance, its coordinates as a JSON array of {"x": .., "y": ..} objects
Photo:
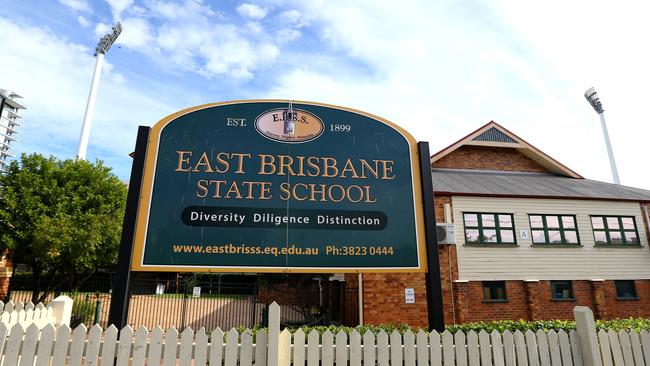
[{"x": 279, "y": 186}]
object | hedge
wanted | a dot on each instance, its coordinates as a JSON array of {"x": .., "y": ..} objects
[
  {"x": 501, "y": 326},
  {"x": 513, "y": 325}
]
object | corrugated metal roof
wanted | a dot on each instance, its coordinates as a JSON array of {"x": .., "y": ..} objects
[
  {"x": 499, "y": 183},
  {"x": 494, "y": 135}
]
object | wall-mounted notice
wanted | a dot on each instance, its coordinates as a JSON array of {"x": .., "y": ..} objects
[
  {"x": 196, "y": 291},
  {"x": 409, "y": 295}
]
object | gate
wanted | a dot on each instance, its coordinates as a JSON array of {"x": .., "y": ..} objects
[
  {"x": 187, "y": 302},
  {"x": 209, "y": 301}
]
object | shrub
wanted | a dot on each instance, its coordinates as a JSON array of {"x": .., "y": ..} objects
[
  {"x": 83, "y": 311},
  {"x": 500, "y": 326}
]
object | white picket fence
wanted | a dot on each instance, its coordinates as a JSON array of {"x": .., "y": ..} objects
[
  {"x": 26, "y": 314},
  {"x": 57, "y": 312},
  {"x": 82, "y": 346}
]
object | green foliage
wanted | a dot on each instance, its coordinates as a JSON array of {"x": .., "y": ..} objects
[
  {"x": 500, "y": 326},
  {"x": 546, "y": 325},
  {"x": 83, "y": 311},
  {"x": 514, "y": 325},
  {"x": 63, "y": 218},
  {"x": 617, "y": 325},
  {"x": 362, "y": 329}
]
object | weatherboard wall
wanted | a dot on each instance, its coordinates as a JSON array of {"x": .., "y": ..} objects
[{"x": 547, "y": 263}]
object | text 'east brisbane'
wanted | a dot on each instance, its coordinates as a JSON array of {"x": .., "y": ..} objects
[{"x": 232, "y": 164}]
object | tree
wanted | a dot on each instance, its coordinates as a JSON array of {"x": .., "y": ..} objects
[{"x": 62, "y": 218}]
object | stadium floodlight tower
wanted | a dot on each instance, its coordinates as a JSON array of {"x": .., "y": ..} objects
[
  {"x": 594, "y": 100},
  {"x": 103, "y": 46}
]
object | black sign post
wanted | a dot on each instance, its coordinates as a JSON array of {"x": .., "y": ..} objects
[
  {"x": 120, "y": 294},
  {"x": 435, "y": 310}
]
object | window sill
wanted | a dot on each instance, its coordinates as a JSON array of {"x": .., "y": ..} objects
[
  {"x": 492, "y": 245},
  {"x": 542, "y": 245},
  {"x": 495, "y": 301},
  {"x": 629, "y": 246},
  {"x": 627, "y": 298},
  {"x": 564, "y": 300}
]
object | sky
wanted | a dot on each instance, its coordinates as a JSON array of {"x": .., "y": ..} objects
[{"x": 440, "y": 69}]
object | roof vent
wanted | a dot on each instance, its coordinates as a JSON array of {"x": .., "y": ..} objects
[{"x": 494, "y": 135}]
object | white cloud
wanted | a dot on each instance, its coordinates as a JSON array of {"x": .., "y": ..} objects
[
  {"x": 190, "y": 36},
  {"x": 118, "y": 78},
  {"x": 165, "y": 9},
  {"x": 287, "y": 35},
  {"x": 252, "y": 11},
  {"x": 188, "y": 10},
  {"x": 254, "y": 27},
  {"x": 118, "y": 7},
  {"x": 136, "y": 33},
  {"x": 101, "y": 29},
  {"x": 78, "y": 5},
  {"x": 137, "y": 10},
  {"x": 236, "y": 57},
  {"x": 292, "y": 16},
  {"x": 83, "y": 21}
]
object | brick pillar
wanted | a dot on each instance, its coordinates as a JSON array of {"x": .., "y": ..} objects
[
  {"x": 532, "y": 301},
  {"x": 448, "y": 273},
  {"x": 5, "y": 276},
  {"x": 461, "y": 289},
  {"x": 598, "y": 294}
]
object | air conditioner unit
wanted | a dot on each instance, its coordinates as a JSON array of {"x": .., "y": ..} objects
[{"x": 446, "y": 233}]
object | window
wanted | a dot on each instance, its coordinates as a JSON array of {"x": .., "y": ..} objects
[
  {"x": 489, "y": 228},
  {"x": 614, "y": 230},
  {"x": 494, "y": 291},
  {"x": 554, "y": 229},
  {"x": 625, "y": 289},
  {"x": 562, "y": 290}
]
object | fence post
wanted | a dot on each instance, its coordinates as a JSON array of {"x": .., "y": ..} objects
[
  {"x": 98, "y": 311},
  {"x": 62, "y": 310},
  {"x": 273, "y": 355},
  {"x": 586, "y": 328}
]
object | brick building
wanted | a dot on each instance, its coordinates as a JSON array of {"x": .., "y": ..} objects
[{"x": 531, "y": 240}]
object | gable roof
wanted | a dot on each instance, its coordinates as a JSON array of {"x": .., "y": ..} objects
[
  {"x": 482, "y": 183},
  {"x": 494, "y": 135}
]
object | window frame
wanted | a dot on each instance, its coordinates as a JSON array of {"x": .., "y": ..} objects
[
  {"x": 560, "y": 228},
  {"x": 491, "y": 299},
  {"x": 618, "y": 297},
  {"x": 571, "y": 297},
  {"x": 497, "y": 228},
  {"x": 620, "y": 230}
]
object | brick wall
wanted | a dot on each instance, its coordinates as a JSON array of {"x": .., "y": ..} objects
[
  {"x": 532, "y": 300},
  {"x": 448, "y": 263},
  {"x": 5, "y": 276},
  {"x": 529, "y": 300},
  {"x": 439, "y": 204},
  {"x": 627, "y": 308},
  {"x": 563, "y": 309},
  {"x": 383, "y": 294},
  {"x": 384, "y": 302},
  {"x": 448, "y": 274},
  {"x": 470, "y": 306},
  {"x": 489, "y": 158}
]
